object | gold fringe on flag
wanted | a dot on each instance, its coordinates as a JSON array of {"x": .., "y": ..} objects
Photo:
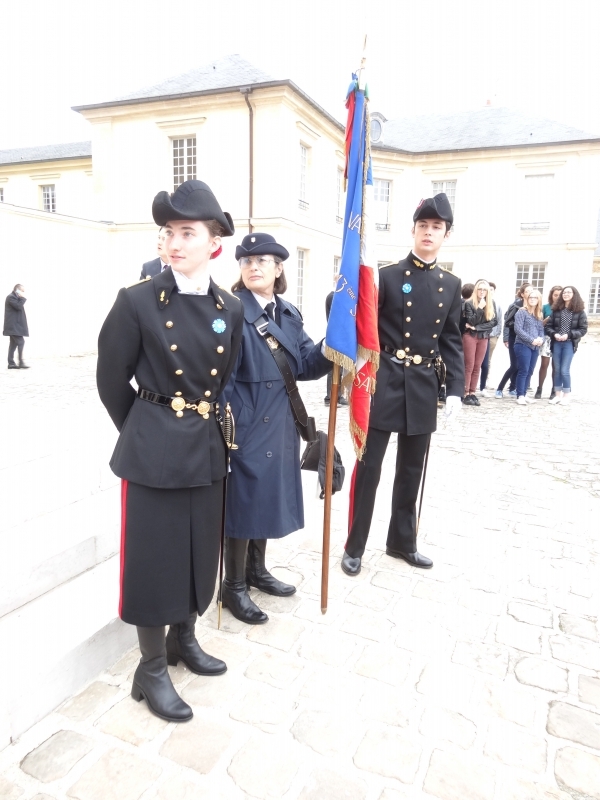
[{"x": 359, "y": 439}]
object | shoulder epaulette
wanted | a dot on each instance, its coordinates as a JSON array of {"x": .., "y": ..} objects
[
  {"x": 445, "y": 269},
  {"x": 391, "y": 264},
  {"x": 229, "y": 294},
  {"x": 137, "y": 283}
]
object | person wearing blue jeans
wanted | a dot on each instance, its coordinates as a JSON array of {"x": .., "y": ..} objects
[
  {"x": 529, "y": 337},
  {"x": 508, "y": 337},
  {"x": 568, "y": 324}
]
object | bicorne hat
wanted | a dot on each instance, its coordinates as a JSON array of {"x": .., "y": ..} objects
[
  {"x": 260, "y": 244},
  {"x": 437, "y": 207},
  {"x": 191, "y": 200}
]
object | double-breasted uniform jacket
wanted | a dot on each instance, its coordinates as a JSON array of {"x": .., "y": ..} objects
[
  {"x": 15, "y": 319},
  {"x": 419, "y": 311},
  {"x": 264, "y": 488},
  {"x": 171, "y": 343},
  {"x": 151, "y": 268}
]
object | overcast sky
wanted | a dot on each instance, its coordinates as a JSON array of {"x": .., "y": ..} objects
[{"x": 423, "y": 57}]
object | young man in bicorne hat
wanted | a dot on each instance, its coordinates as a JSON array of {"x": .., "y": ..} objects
[
  {"x": 419, "y": 310},
  {"x": 178, "y": 334}
]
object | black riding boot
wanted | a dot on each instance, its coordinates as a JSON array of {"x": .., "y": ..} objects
[
  {"x": 257, "y": 574},
  {"x": 235, "y": 591},
  {"x": 152, "y": 682},
  {"x": 182, "y": 646}
]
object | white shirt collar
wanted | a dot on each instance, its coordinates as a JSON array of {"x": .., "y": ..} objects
[
  {"x": 196, "y": 286},
  {"x": 262, "y": 302},
  {"x": 423, "y": 260}
]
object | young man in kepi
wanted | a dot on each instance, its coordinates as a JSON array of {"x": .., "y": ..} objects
[
  {"x": 178, "y": 335},
  {"x": 419, "y": 311}
]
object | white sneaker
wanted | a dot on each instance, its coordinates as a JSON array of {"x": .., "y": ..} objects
[
  {"x": 566, "y": 399},
  {"x": 484, "y": 393},
  {"x": 521, "y": 401},
  {"x": 530, "y": 401},
  {"x": 555, "y": 400}
]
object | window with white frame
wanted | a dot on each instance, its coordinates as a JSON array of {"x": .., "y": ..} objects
[
  {"x": 49, "y": 197},
  {"x": 537, "y": 202},
  {"x": 339, "y": 217},
  {"x": 533, "y": 274},
  {"x": 184, "y": 160},
  {"x": 300, "y": 278},
  {"x": 594, "y": 298},
  {"x": 1, "y": 194},
  {"x": 303, "y": 188},
  {"x": 381, "y": 197},
  {"x": 448, "y": 187},
  {"x": 337, "y": 263}
]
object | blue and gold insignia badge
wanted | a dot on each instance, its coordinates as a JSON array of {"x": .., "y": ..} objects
[
  {"x": 219, "y": 326},
  {"x": 407, "y": 288}
]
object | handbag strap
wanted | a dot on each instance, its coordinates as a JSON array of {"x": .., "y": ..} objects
[{"x": 276, "y": 350}]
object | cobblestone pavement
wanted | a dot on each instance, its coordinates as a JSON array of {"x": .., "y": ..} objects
[{"x": 477, "y": 680}]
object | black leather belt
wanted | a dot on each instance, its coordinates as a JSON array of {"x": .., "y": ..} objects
[
  {"x": 406, "y": 358},
  {"x": 178, "y": 404}
]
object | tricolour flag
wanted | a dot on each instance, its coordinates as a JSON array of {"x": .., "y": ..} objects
[{"x": 352, "y": 340}]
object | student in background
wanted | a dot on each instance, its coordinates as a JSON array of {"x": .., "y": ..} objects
[
  {"x": 568, "y": 325},
  {"x": 492, "y": 342},
  {"x": 546, "y": 351},
  {"x": 508, "y": 337},
  {"x": 529, "y": 337},
  {"x": 480, "y": 321}
]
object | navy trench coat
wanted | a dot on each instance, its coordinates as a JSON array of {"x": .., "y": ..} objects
[{"x": 264, "y": 487}]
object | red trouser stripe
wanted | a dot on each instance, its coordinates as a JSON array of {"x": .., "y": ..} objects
[
  {"x": 351, "y": 499},
  {"x": 124, "y": 485}
]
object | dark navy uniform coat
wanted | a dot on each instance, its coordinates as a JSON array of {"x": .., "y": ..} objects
[
  {"x": 421, "y": 319},
  {"x": 264, "y": 487},
  {"x": 170, "y": 342}
]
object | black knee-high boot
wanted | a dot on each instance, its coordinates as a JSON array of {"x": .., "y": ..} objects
[
  {"x": 257, "y": 574},
  {"x": 182, "y": 645},
  {"x": 235, "y": 591},
  {"x": 152, "y": 682}
]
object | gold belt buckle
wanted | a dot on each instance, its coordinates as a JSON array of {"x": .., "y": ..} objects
[
  {"x": 178, "y": 404},
  {"x": 203, "y": 407},
  {"x": 417, "y": 359},
  {"x": 400, "y": 354}
]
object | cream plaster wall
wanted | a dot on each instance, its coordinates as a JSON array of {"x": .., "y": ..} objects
[{"x": 73, "y": 181}]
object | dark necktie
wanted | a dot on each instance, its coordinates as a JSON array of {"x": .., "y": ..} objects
[{"x": 270, "y": 309}]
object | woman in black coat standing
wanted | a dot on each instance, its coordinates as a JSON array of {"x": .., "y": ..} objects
[
  {"x": 178, "y": 334},
  {"x": 567, "y": 325},
  {"x": 15, "y": 326},
  {"x": 264, "y": 488}
]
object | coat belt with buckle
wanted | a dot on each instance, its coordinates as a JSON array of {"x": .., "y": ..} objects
[
  {"x": 178, "y": 404},
  {"x": 406, "y": 358}
]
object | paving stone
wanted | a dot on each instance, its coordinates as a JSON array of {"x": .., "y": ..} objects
[
  {"x": 439, "y": 723},
  {"x": 131, "y": 722},
  {"x": 90, "y": 702},
  {"x": 432, "y": 590},
  {"x": 524, "y": 790},
  {"x": 327, "y": 648},
  {"x": 368, "y": 596},
  {"x": 264, "y": 707},
  {"x": 575, "y": 651},
  {"x": 578, "y": 773},
  {"x": 515, "y": 747},
  {"x": 370, "y": 626},
  {"x": 178, "y": 788},
  {"x": 55, "y": 757},
  {"x": 198, "y": 744},
  {"x": 389, "y": 704},
  {"x": 523, "y": 590},
  {"x": 387, "y": 664},
  {"x": 448, "y": 685},
  {"x": 454, "y": 776},
  {"x": 385, "y": 579},
  {"x": 388, "y": 752},
  {"x": 533, "y": 615},
  {"x": 324, "y": 784},
  {"x": 272, "y": 604},
  {"x": 35, "y": 796},
  {"x": 125, "y": 666},
  {"x": 484, "y": 657},
  {"x": 577, "y": 724},
  {"x": 589, "y": 690},
  {"x": 233, "y": 653},
  {"x": 329, "y": 733},
  {"x": 519, "y": 635},
  {"x": 465, "y": 623},
  {"x": 265, "y": 778},
  {"x": 274, "y": 669},
  {"x": 543, "y": 674},
  {"x": 579, "y": 626},
  {"x": 484, "y": 602},
  {"x": 281, "y": 634},
  {"x": 116, "y": 776},
  {"x": 426, "y": 640},
  {"x": 394, "y": 794},
  {"x": 217, "y": 691},
  {"x": 10, "y": 790}
]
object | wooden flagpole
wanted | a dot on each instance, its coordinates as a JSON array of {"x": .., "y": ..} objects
[{"x": 333, "y": 401}]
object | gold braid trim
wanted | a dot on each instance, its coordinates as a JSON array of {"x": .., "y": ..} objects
[
  {"x": 369, "y": 355},
  {"x": 360, "y": 435},
  {"x": 339, "y": 358}
]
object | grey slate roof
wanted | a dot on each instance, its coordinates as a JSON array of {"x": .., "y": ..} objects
[
  {"x": 473, "y": 130},
  {"x": 226, "y": 72},
  {"x": 46, "y": 152}
]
